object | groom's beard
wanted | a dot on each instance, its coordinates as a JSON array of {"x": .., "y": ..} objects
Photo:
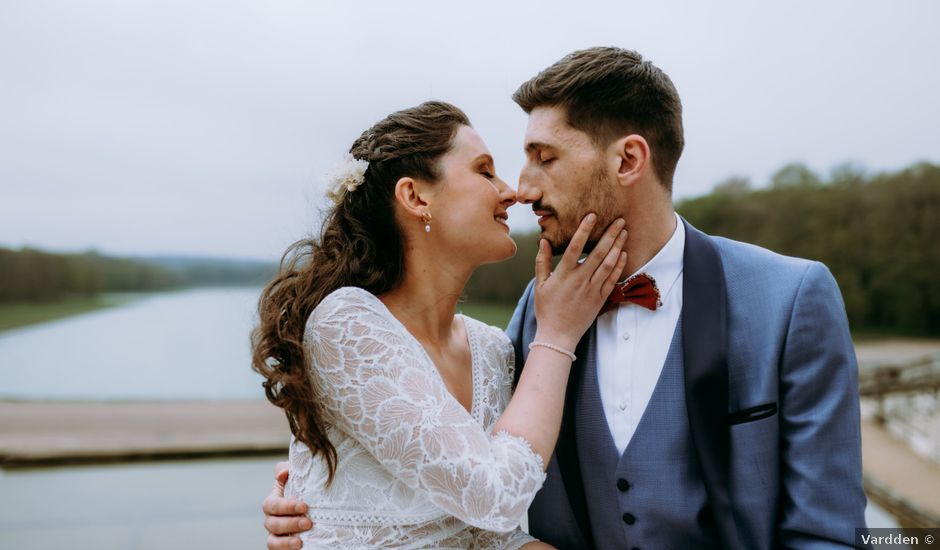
[{"x": 596, "y": 198}]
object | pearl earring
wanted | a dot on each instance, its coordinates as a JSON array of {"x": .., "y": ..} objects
[{"x": 426, "y": 217}]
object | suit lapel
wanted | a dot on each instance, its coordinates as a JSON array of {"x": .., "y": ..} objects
[
  {"x": 566, "y": 452},
  {"x": 704, "y": 347}
]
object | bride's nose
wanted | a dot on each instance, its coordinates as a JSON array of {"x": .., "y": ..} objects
[{"x": 507, "y": 195}]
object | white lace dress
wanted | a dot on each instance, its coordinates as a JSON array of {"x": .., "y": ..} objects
[{"x": 415, "y": 469}]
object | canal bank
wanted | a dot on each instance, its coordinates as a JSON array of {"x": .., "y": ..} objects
[{"x": 53, "y": 433}]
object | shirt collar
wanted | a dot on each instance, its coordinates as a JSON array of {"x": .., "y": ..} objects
[{"x": 666, "y": 266}]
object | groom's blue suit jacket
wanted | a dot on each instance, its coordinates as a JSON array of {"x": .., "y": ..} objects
[{"x": 770, "y": 387}]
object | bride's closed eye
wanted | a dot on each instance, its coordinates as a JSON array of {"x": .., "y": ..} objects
[{"x": 487, "y": 170}]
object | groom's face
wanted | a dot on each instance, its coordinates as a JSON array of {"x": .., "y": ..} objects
[{"x": 564, "y": 178}]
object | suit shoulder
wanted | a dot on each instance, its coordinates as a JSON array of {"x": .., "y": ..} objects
[
  {"x": 741, "y": 259},
  {"x": 749, "y": 268}
]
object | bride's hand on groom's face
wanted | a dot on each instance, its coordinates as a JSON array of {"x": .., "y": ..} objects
[
  {"x": 568, "y": 299},
  {"x": 283, "y": 517}
]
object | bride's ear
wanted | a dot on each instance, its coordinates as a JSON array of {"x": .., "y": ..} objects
[{"x": 408, "y": 195}]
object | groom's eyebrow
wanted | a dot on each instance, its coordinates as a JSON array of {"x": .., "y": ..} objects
[{"x": 534, "y": 146}]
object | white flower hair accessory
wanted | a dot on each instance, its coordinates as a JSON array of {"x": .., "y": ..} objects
[{"x": 345, "y": 177}]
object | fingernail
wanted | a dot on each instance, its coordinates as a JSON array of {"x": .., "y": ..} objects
[
  {"x": 623, "y": 233},
  {"x": 305, "y": 524},
  {"x": 621, "y": 222},
  {"x": 591, "y": 217},
  {"x": 299, "y": 509},
  {"x": 295, "y": 543}
]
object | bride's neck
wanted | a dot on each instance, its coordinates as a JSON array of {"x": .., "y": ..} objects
[{"x": 426, "y": 299}]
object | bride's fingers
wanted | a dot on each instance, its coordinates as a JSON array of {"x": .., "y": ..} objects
[
  {"x": 603, "y": 247},
  {"x": 543, "y": 262},
  {"x": 611, "y": 280},
  {"x": 283, "y": 543},
  {"x": 609, "y": 263},
  {"x": 280, "y": 478},
  {"x": 276, "y": 505},
  {"x": 287, "y": 525},
  {"x": 569, "y": 260}
]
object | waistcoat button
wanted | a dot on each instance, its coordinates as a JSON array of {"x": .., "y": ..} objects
[
  {"x": 629, "y": 518},
  {"x": 623, "y": 485}
]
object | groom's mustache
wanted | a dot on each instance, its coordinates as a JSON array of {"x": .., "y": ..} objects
[{"x": 539, "y": 207}]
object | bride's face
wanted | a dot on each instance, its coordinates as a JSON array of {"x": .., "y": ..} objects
[{"x": 469, "y": 210}]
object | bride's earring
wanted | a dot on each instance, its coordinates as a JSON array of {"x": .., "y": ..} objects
[{"x": 426, "y": 218}]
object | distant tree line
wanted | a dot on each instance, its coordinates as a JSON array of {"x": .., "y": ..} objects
[
  {"x": 33, "y": 275},
  {"x": 878, "y": 234}
]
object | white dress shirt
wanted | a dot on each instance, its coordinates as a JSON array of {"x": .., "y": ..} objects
[{"x": 632, "y": 343}]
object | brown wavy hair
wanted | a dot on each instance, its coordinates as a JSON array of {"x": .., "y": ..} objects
[{"x": 359, "y": 245}]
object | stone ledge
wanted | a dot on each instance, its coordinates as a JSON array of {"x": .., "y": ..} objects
[{"x": 53, "y": 433}]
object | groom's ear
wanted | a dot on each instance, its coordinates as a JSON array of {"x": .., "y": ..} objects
[
  {"x": 632, "y": 157},
  {"x": 408, "y": 195}
]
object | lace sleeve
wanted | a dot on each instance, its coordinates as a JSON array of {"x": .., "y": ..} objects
[
  {"x": 509, "y": 359},
  {"x": 379, "y": 387},
  {"x": 490, "y": 540}
]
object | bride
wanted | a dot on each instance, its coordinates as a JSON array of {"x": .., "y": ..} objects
[{"x": 404, "y": 433}]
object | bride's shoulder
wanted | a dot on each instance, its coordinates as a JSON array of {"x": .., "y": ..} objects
[
  {"x": 349, "y": 294},
  {"x": 345, "y": 301},
  {"x": 494, "y": 336}
]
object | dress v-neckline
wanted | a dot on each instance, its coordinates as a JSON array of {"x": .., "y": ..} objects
[{"x": 474, "y": 368}]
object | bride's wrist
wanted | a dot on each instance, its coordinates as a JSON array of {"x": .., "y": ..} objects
[
  {"x": 556, "y": 349},
  {"x": 559, "y": 340}
]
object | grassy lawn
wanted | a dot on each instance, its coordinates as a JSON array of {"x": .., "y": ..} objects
[
  {"x": 497, "y": 315},
  {"x": 22, "y": 314}
]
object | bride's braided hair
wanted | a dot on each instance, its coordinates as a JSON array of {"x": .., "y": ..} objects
[{"x": 359, "y": 245}]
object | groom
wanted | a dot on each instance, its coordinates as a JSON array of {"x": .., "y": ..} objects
[
  {"x": 724, "y": 413},
  {"x": 714, "y": 403}
]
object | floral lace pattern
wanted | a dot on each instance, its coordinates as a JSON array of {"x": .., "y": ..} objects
[{"x": 415, "y": 469}]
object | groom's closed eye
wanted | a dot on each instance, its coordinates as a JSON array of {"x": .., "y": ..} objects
[{"x": 540, "y": 152}]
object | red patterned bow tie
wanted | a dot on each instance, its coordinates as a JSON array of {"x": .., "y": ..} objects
[{"x": 639, "y": 289}]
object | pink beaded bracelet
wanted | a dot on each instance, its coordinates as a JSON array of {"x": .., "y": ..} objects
[{"x": 553, "y": 347}]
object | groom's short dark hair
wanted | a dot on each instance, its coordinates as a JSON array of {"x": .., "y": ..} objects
[{"x": 611, "y": 92}]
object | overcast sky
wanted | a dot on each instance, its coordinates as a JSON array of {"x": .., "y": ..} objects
[{"x": 204, "y": 126}]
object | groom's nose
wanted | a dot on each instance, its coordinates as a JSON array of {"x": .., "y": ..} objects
[{"x": 528, "y": 192}]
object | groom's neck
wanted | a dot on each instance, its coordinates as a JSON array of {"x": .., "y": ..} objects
[{"x": 649, "y": 229}]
